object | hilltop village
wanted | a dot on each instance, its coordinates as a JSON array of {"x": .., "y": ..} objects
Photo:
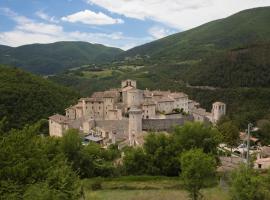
[{"x": 124, "y": 114}]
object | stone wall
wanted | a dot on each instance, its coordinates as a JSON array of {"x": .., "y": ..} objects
[
  {"x": 118, "y": 126},
  {"x": 163, "y": 124}
]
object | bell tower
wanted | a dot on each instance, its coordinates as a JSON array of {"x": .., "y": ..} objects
[
  {"x": 218, "y": 110},
  {"x": 135, "y": 125}
]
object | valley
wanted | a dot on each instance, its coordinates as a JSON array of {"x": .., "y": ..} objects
[{"x": 173, "y": 118}]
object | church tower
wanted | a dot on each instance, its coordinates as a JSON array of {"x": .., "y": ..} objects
[
  {"x": 218, "y": 110},
  {"x": 135, "y": 125}
]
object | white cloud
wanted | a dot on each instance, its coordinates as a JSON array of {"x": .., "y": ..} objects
[
  {"x": 46, "y": 17},
  {"x": 28, "y": 31},
  {"x": 180, "y": 14},
  {"x": 92, "y": 18},
  {"x": 158, "y": 32}
]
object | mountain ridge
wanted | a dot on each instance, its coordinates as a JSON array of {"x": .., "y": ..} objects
[
  {"x": 55, "y": 57},
  {"x": 248, "y": 26}
]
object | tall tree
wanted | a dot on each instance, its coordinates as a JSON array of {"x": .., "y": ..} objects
[
  {"x": 198, "y": 168},
  {"x": 230, "y": 133}
]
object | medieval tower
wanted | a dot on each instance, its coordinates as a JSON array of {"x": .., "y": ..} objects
[
  {"x": 218, "y": 110},
  {"x": 135, "y": 125}
]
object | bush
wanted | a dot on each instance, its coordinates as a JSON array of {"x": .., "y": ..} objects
[{"x": 97, "y": 184}]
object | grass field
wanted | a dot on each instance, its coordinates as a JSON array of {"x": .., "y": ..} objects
[
  {"x": 100, "y": 74},
  {"x": 145, "y": 188}
]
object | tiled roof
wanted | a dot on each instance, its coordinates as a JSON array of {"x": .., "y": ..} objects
[
  {"x": 105, "y": 94},
  {"x": 60, "y": 118},
  {"x": 218, "y": 103},
  {"x": 160, "y": 93},
  {"x": 165, "y": 99},
  {"x": 93, "y": 99},
  {"x": 201, "y": 111},
  {"x": 128, "y": 88},
  {"x": 177, "y": 95}
]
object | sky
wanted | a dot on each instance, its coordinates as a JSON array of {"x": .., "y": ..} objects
[{"x": 117, "y": 23}]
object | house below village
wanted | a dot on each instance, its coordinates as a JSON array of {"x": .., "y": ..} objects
[{"x": 263, "y": 158}]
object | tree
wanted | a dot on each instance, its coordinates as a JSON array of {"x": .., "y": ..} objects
[
  {"x": 247, "y": 185},
  {"x": 31, "y": 165},
  {"x": 163, "y": 154},
  {"x": 198, "y": 169},
  {"x": 264, "y": 130},
  {"x": 135, "y": 161},
  {"x": 230, "y": 133},
  {"x": 3, "y": 126},
  {"x": 197, "y": 135},
  {"x": 71, "y": 144}
]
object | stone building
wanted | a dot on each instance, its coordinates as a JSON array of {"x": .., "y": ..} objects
[{"x": 121, "y": 115}]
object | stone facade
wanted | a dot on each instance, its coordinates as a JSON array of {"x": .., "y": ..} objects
[{"x": 124, "y": 113}]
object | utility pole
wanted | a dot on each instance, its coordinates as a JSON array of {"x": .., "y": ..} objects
[{"x": 248, "y": 144}]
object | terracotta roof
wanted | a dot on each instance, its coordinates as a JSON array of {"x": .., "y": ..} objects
[
  {"x": 177, "y": 95},
  {"x": 147, "y": 93},
  {"x": 71, "y": 107},
  {"x": 160, "y": 93},
  {"x": 60, "y": 118},
  {"x": 165, "y": 99},
  {"x": 243, "y": 136},
  {"x": 193, "y": 102},
  {"x": 201, "y": 111},
  {"x": 93, "y": 99},
  {"x": 105, "y": 94},
  {"x": 128, "y": 88},
  {"x": 218, "y": 103}
]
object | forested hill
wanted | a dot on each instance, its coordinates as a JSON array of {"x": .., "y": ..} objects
[
  {"x": 248, "y": 66},
  {"x": 26, "y": 98},
  {"x": 246, "y": 27},
  {"x": 56, "y": 57}
]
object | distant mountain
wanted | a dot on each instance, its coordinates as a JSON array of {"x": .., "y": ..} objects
[
  {"x": 26, "y": 98},
  {"x": 246, "y": 27},
  {"x": 56, "y": 57}
]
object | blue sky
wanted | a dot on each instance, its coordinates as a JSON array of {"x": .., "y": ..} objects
[{"x": 118, "y": 23}]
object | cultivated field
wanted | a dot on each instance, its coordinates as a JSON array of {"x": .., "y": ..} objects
[{"x": 145, "y": 188}]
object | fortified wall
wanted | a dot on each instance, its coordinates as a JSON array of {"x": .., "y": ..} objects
[{"x": 163, "y": 124}]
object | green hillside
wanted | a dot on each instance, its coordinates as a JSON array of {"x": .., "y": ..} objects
[
  {"x": 55, "y": 57},
  {"x": 249, "y": 26},
  {"x": 26, "y": 98},
  {"x": 242, "y": 67}
]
